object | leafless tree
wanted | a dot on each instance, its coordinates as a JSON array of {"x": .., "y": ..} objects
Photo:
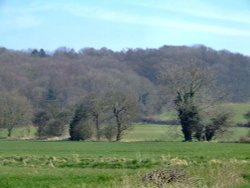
[
  {"x": 124, "y": 109},
  {"x": 188, "y": 82},
  {"x": 15, "y": 111}
]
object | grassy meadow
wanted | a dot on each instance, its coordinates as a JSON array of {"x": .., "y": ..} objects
[
  {"x": 238, "y": 110},
  {"x": 122, "y": 164},
  {"x": 148, "y": 156}
]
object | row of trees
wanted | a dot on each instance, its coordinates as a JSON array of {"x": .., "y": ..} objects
[
  {"x": 108, "y": 115},
  {"x": 98, "y": 116},
  {"x": 85, "y": 89}
]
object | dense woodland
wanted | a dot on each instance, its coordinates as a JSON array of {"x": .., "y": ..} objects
[{"x": 52, "y": 85}]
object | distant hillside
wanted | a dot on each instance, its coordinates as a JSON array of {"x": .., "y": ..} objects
[
  {"x": 69, "y": 75},
  {"x": 232, "y": 71}
]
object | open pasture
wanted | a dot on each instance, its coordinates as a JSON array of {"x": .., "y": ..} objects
[
  {"x": 146, "y": 150},
  {"x": 122, "y": 164}
]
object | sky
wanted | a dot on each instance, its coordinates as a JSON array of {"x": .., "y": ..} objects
[{"x": 122, "y": 24}]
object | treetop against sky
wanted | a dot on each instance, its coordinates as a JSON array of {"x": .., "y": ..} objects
[{"x": 223, "y": 24}]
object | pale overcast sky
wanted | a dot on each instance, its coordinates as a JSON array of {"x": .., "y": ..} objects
[{"x": 121, "y": 24}]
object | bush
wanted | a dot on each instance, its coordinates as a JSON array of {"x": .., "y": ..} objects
[
  {"x": 218, "y": 123},
  {"x": 40, "y": 120},
  {"x": 84, "y": 130},
  {"x": 247, "y": 116},
  {"x": 109, "y": 132},
  {"x": 243, "y": 124},
  {"x": 55, "y": 128},
  {"x": 81, "y": 127},
  {"x": 49, "y": 126}
]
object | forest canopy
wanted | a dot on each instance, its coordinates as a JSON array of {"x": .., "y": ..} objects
[{"x": 55, "y": 82}]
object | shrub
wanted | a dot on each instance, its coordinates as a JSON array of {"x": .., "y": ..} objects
[
  {"x": 85, "y": 131},
  {"x": 55, "y": 128},
  {"x": 49, "y": 126},
  {"x": 109, "y": 132},
  {"x": 218, "y": 123}
]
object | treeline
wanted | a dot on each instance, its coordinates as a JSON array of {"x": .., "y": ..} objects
[{"x": 54, "y": 86}]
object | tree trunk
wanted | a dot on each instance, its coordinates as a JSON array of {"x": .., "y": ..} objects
[
  {"x": 97, "y": 124},
  {"x": 9, "y": 132},
  {"x": 187, "y": 132},
  {"x": 119, "y": 130}
]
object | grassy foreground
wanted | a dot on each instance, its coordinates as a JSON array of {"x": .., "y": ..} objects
[
  {"x": 124, "y": 164},
  {"x": 55, "y": 164}
]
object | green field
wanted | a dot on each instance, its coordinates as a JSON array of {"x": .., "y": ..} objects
[
  {"x": 167, "y": 115},
  {"x": 147, "y": 132},
  {"x": 151, "y": 132},
  {"x": 145, "y": 149},
  {"x": 121, "y": 164},
  {"x": 237, "y": 109}
]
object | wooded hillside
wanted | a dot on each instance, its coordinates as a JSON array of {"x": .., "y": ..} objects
[{"x": 66, "y": 76}]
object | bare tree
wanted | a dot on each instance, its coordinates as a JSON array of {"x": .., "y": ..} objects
[
  {"x": 125, "y": 111},
  {"x": 40, "y": 120},
  {"x": 97, "y": 107},
  {"x": 15, "y": 111},
  {"x": 188, "y": 81}
]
